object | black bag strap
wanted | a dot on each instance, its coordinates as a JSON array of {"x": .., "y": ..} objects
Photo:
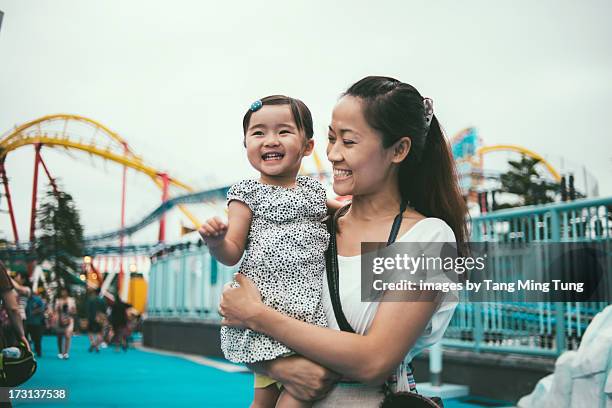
[{"x": 331, "y": 262}]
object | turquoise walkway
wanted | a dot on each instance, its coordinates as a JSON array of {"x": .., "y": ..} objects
[{"x": 140, "y": 379}]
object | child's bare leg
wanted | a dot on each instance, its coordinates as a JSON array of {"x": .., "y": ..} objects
[
  {"x": 265, "y": 397},
  {"x": 287, "y": 400}
]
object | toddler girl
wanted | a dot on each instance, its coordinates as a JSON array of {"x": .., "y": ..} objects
[{"x": 277, "y": 221}]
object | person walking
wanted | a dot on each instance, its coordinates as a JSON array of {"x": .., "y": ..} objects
[
  {"x": 65, "y": 310},
  {"x": 35, "y": 321},
  {"x": 94, "y": 306},
  {"x": 119, "y": 322}
]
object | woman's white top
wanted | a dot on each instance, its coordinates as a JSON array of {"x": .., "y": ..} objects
[{"x": 361, "y": 314}]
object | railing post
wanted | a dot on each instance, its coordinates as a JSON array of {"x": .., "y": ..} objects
[
  {"x": 206, "y": 285},
  {"x": 151, "y": 289},
  {"x": 214, "y": 271},
  {"x": 435, "y": 364},
  {"x": 165, "y": 272},
  {"x": 183, "y": 276},
  {"x": 478, "y": 329},
  {"x": 555, "y": 227},
  {"x": 560, "y": 326}
]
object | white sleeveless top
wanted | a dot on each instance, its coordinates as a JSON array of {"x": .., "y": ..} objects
[{"x": 361, "y": 314}]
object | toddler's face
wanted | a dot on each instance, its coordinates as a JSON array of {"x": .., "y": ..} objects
[{"x": 275, "y": 146}]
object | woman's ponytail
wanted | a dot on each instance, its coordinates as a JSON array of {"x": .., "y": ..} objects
[{"x": 431, "y": 185}]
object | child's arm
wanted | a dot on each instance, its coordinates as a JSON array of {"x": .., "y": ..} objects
[
  {"x": 227, "y": 242},
  {"x": 333, "y": 205}
]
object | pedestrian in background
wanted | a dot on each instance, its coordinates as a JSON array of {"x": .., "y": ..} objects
[
  {"x": 94, "y": 306},
  {"x": 119, "y": 321},
  {"x": 65, "y": 310},
  {"x": 35, "y": 321}
]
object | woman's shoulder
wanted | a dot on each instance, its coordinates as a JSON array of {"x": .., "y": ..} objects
[{"x": 429, "y": 229}]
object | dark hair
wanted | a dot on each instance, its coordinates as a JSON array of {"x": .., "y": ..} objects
[
  {"x": 301, "y": 114},
  {"x": 427, "y": 176}
]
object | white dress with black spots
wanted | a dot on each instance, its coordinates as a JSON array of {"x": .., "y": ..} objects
[{"x": 285, "y": 258}]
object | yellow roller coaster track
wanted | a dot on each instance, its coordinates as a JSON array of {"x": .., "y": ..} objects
[
  {"x": 118, "y": 151},
  {"x": 514, "y": 148}
]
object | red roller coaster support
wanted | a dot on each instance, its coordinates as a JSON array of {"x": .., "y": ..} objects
[
  {"x": 121, "y": 238},
  {"x": 162, "y": 220},
  {"x": 7, "y": 193},
  {"x": 34, "y": 199},
  {"x": 51, "y": 179}
]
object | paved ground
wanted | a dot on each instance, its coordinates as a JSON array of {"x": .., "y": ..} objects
[{"x": 140, "y": 378}]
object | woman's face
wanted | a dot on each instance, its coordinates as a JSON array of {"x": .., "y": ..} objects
[{"x": 360, "y": 163}]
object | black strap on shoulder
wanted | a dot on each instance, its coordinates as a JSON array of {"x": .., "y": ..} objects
[
  {"x": 333, "y": 283},
  {"x": 331, "y": 263},
  {"x": 397, "y": 222}
]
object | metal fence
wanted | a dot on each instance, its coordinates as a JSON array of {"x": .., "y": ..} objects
[
  {"x": 541, "y": 328},
  {"x": 187, "y": 282}
]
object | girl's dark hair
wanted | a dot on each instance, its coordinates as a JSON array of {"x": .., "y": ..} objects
[
  {"x": 301, "y": 114},
  {"x": 427, "y": 176}
]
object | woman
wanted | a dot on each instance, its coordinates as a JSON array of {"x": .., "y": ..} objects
[
  {"x": 65, "y": 310},
  {"x": 386, "y": 148}
]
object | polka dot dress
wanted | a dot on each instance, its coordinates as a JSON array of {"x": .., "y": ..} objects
[{"x": 285, "y": 257}]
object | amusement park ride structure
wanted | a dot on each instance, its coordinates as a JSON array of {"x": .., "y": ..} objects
[
  {"x": 55, "y": 131},
  {"x": 469, "y": 153}
]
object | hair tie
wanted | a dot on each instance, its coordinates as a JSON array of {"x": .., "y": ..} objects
[
  {"x": 255, "y": 106},
  {"x": 429, "y": 112}
]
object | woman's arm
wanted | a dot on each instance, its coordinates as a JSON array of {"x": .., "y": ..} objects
[
  {"x": 12, "y": 309},
  {"x": 21, "y": 289},
  {"x": 369, "y": 358},
  {"x": 73, "y": 309},
  {"x": 227, "y": 242}
]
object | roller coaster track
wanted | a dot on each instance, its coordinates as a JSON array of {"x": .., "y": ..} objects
[
  {"x": 54, "y": 131},
  {"x": 519, "y": 149},
  {"x": 198, "y": 197}
]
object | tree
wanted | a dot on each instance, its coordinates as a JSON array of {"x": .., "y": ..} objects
[
  {"x": 524, "y": 181},
  {"x": 60, "y": 235}
]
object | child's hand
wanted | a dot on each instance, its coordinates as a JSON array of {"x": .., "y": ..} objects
[{"x": 213, "y": 231}]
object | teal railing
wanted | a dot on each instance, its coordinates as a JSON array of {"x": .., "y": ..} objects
[
  {"x": 187, "y": 283},
  {"x": 542, "y": 328}
]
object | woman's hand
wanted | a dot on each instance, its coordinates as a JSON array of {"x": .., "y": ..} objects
[
  {"x": 302, "y": 378},
  {"x": 239, "y": 305}
]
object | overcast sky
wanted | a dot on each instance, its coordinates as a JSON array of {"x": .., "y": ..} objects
[{"x": 174, "y": 79}]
